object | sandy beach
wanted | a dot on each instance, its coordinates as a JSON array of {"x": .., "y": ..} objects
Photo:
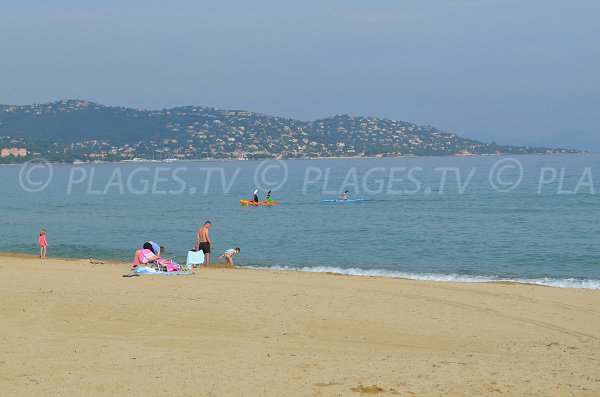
[{"x": 72, "y": 328}]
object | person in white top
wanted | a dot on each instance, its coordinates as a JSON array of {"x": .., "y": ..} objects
[{"x": 228, "y": 255}]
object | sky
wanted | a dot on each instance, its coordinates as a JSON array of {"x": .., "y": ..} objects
[{"x": 516, "y": 72}]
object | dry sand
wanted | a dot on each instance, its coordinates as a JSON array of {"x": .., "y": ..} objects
[{"x": 71, "y": 328}]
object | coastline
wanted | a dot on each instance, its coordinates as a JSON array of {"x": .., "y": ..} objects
[
  {"x": 82, "y": 328},
  {"x": 569, "y": 283},
  {"x": 148, "y": 161}
]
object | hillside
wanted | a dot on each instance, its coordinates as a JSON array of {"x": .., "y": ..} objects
[{"x": 72, "y": 130}]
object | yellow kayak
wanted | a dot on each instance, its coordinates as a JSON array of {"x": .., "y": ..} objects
[{"x": 248, "y": 202}]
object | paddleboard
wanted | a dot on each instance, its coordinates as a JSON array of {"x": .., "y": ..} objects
[{"x": 343, "y": 201}]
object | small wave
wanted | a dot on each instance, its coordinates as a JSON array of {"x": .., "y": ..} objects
[{"x": 458, "y": 278}]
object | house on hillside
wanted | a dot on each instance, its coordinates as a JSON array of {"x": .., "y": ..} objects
[{"x": 13, "y": 151}]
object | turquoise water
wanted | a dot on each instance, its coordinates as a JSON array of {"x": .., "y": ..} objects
[{"x": 526, "y": 218}]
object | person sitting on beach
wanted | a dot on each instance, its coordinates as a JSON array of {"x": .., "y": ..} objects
[
  {"x": 147, "y": 257},
  {"x": 151, "y": 252},
  {"x": 144, "y": 256},
  {"x": 152, "y": 246},
  {"x": 228, "y": 255}
]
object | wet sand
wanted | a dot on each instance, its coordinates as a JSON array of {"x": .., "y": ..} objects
[{"x": 72, "y": 328}]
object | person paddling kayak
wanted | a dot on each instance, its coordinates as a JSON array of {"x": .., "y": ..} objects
[
  {"x": 269, "y": 199},
  {"x": 343, "y": 196}
]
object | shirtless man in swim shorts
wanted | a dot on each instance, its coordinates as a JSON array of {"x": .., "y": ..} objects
[{"x": 204, "y": 242}]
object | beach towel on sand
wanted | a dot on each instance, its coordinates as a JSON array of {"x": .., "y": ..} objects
[{"x": 149, "y": 270}]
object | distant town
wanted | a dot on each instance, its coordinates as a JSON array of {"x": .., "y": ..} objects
[{"x": 79, "y": 131}]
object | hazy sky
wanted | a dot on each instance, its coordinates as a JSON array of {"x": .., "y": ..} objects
[{"x": 518, "y": 72}]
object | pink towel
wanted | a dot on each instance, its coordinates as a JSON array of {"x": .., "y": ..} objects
[
  {"x": 136, "y": 258},
  {"x": 143, "y": 256}
]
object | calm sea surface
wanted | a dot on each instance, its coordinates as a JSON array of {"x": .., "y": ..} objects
[{"x": 523, "y": 218}]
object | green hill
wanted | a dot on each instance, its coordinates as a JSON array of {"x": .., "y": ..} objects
[{"x": 79, "y": 130}]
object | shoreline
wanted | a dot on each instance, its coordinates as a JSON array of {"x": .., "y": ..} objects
[
  {"x": 82, "y": 328},
  {"x": 409, "y": 156},
  {"x": 548, "y": 282}
]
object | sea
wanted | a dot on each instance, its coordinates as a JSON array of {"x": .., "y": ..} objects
[{"x": 524, "y": 219}]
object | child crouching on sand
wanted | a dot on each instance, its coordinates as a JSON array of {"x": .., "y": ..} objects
[
  {"x": 229, "y": 255},
  {"x": 42, "y": 243}
]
